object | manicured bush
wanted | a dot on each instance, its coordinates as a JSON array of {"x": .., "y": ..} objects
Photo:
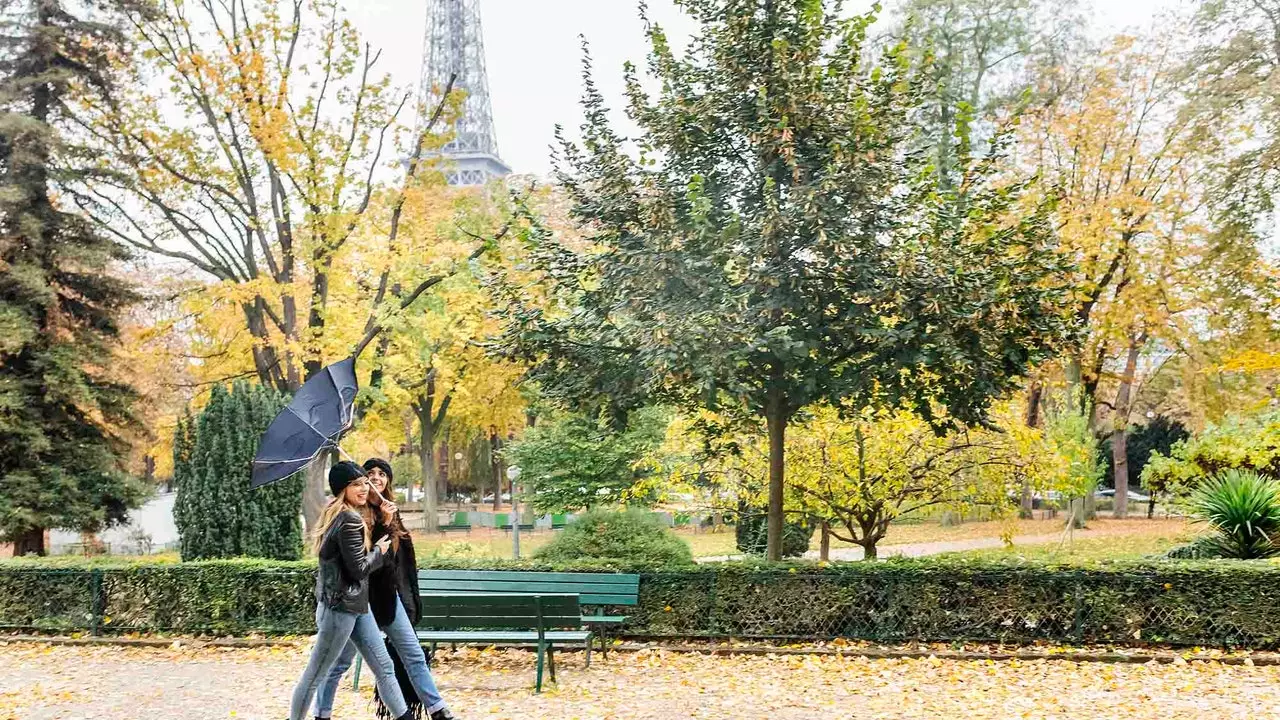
[
  {"x": 1243, "y": 507},
  {"x": 628, "y": 536},
  {"x": 752, "y": 533},
  {"x": 1184, "y": 603}
]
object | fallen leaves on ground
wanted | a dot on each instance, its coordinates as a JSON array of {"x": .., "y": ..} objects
[{"x": 39, "y": 682}]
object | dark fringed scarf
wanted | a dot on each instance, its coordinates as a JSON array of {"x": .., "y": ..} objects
[{"x": 411, "y": 699}]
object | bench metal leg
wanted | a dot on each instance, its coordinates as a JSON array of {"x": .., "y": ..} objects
[
  {"x": 551, "y": 661},
  {"x": 355, "y": 681},
  {"x": 604, "y": 642},
  {"x": 537, "y": 687},
  {"x": 588, "y": 652}
]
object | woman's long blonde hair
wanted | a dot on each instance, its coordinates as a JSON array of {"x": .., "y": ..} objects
[{"x": 330, "y": 514}]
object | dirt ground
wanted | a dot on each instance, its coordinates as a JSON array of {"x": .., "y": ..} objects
[{"x": 41, "y": 682}]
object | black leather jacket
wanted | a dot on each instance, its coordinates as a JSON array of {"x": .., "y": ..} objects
[
  {"x": 342, "y": 582},
  {"x": 395, "y": 582}
]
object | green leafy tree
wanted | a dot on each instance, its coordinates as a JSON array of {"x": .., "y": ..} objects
[
  {"x": 63, "y": 414},
  {"x": 1235, "y": 67},
  {"x": 573, "y": 461},
  {"x": 216, "y": 512},
  {"x": 774, "y": 241},
  {"x": 984, "y": 55},
  {"x": 1238, "y": 442}
]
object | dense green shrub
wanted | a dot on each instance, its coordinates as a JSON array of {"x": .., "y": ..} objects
[
  {"x": 1202, "y": 548},
  {"x": 1214, "y": 603},
  {"x": 1249, "y": 443},
  {"x": 622, "y": 536},
  {"x": 1243, "y": 507},
  {"x": 217, "y": 514},
  {"x": 752, "y": 533}
]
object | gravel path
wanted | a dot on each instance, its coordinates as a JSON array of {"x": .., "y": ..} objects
[{"x": 38, "y": 682}]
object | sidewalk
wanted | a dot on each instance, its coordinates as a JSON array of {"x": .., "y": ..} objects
[{"x": 109, "y": 683}]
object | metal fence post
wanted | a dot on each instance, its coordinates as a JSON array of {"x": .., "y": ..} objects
[
  {"x": 98, "y": 602},
  {"x": 1077, "y": 623}
]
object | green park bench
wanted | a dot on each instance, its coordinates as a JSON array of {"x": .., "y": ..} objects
[
  {"x": 461, "y": 522},
  {"x": 600, "y": 590},
  {"x": 542, "y": 620}
]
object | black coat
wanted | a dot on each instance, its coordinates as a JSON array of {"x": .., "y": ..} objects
[
  {"x": 342, "y": 581},
  {"x": 396, "y": 581}
]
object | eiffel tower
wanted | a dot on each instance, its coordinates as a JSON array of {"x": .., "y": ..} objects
[{"x": 454, "y": 46}]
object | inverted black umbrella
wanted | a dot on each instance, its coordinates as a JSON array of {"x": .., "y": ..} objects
[{"x": 313, "y": 423}]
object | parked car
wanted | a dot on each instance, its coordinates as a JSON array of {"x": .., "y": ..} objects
[{"x": 1133, "y": 496}]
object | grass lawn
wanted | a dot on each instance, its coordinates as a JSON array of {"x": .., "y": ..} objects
[
  {"x": 1129, "y": 538},
  {"x": 1104, "y": 538}
]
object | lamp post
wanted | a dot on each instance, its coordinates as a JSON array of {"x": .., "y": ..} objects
[{"x": 513, "y": 474}]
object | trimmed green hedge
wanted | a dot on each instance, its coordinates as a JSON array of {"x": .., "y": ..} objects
[{"x": 1209, "y": 603}]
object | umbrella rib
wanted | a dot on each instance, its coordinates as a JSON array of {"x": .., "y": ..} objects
[
  {"x": 342, "y": 406},
  {"x": 326, "y": 438}
]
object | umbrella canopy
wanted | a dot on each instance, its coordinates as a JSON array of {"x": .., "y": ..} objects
[{"x": 320, "y": 412}]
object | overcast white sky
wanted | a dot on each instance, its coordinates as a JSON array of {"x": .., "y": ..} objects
[{"x": 533, "y": 54}]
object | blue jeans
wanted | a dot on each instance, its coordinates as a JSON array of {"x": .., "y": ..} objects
[
  {"x": 335, "y": 630},
  {"x": 405, "y": 641}
]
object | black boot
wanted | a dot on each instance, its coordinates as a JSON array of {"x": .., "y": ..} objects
[{"x": 443, "y": 714}]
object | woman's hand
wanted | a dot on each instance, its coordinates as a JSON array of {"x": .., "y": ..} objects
[
  {"x": 383, "y": 544},
  {"x": 389, "y": 510}
]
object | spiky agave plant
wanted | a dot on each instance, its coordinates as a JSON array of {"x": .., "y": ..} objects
[{"x": 1243, "y": 506}]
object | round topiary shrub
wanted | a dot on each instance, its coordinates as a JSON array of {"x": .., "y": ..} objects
[
  {"x": 627, "y": 536},
  {"x": 752, "y": 533}
]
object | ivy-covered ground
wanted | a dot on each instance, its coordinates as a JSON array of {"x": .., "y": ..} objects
[{"x": 38, "y": 682}]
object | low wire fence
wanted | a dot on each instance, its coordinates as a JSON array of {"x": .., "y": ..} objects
[{"x": 1184, "y": 603}]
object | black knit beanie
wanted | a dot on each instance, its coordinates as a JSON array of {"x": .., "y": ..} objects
[
  {"x": 342, "y": 475},
  {"x": 382, "y": 465}
]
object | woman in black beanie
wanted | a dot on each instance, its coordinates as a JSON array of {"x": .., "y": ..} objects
[
  {"x": 348, "y": 555},
  {"x": 394, "y": 601}
]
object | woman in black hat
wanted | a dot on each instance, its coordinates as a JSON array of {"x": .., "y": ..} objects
[
  {"x": 394, "y": 600},
  {"x": 347, "y": 554}
]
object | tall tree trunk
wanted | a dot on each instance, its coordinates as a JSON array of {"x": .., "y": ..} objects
[
  {"x": 824, "y": 549},
  {"x": 430, "y": 479},
  {"x": 1034, "y": 393},
  {"x": 1120, "y": 429},
  {"x": 495, "y": 462},
  {"x": 429, "y": 421},
  {"x": 776, "y": 419},
  {"x": 313, "y": 492}
]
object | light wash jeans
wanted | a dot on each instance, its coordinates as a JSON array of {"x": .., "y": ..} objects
[
  {"x": 405, "y": 641},
  {"x": 335, "y": 630}
]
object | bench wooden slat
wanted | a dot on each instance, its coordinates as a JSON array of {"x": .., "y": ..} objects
[
  {"x": 446, "y": 636},
  {"x": 599, "y": 588},
  {"x": 603, "y": 619},
  {"x": 592, "y": 588},
  {"x": 629, "y": 580},
  {"x": 585, "y": 597},
  {"x": 500, "y": 610}
]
